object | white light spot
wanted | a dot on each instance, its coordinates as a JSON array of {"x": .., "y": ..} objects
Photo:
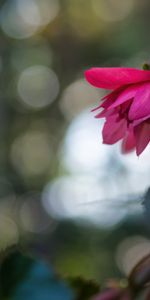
[
  {"x": 83, "y": 150},
  {"x": 81, "y": 197}
]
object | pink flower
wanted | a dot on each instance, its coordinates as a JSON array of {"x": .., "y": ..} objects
[{"x": 127, "y": 108}]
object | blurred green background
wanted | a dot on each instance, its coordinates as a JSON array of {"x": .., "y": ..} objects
[{"x": 65, "y": 197}]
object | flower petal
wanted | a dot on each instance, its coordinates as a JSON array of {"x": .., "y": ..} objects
[
  {"x": 114, "y": 130},
  {"x": 112, "y": 78},
  {"x": 125, "y": 95},
  {"x": 140, "y": 106},
  {"x": 128, "y": 143},
  {"x": 109, "y": 99},
  {"x": 142, "y": 136},
  {"x": 105, "y": 113},
  {"x": 137, "y": 122}
]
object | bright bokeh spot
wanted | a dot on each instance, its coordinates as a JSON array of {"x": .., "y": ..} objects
[
  {"x": 38, "y": 12},
  {"x": 38, "y": 86},
  {"x": 83, "y": 150},
  {"x": 138, "y": 170},
  {"x": 101, "y": 178},
  {"x": 84, "y": 197},
  {"x": 113, "y": 10},
  {"x": 22, "y": 18}
]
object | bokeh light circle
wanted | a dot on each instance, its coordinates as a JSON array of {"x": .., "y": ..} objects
[
  {"x": 112, "y": 10},
  {"x": 21, "y": 19},
  {"x": 38, "y": 86},
  {"x": 81, "y": 197},
  {"x": 83, "y": 150}
]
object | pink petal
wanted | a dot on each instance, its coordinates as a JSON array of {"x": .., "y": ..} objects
[
  {"x": 112, "y": 78},
  {"x": 128, "y": 143},
  {"x": 137, "y": 122},
  {"x": 107, "y": 100},
  {"x": 142, "y": 137},
  {"x": 110, "y": 98},
  {"x": 140, "y": 106},
  {"x": 102, "y": 114},
  {"x": 125, "y": 95},
  {"x": 106, "y": 113},
  {"x": 114, "y": 130}
]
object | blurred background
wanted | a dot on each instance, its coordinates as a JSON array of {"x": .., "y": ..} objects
[{"x": 65, "y": 197}]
